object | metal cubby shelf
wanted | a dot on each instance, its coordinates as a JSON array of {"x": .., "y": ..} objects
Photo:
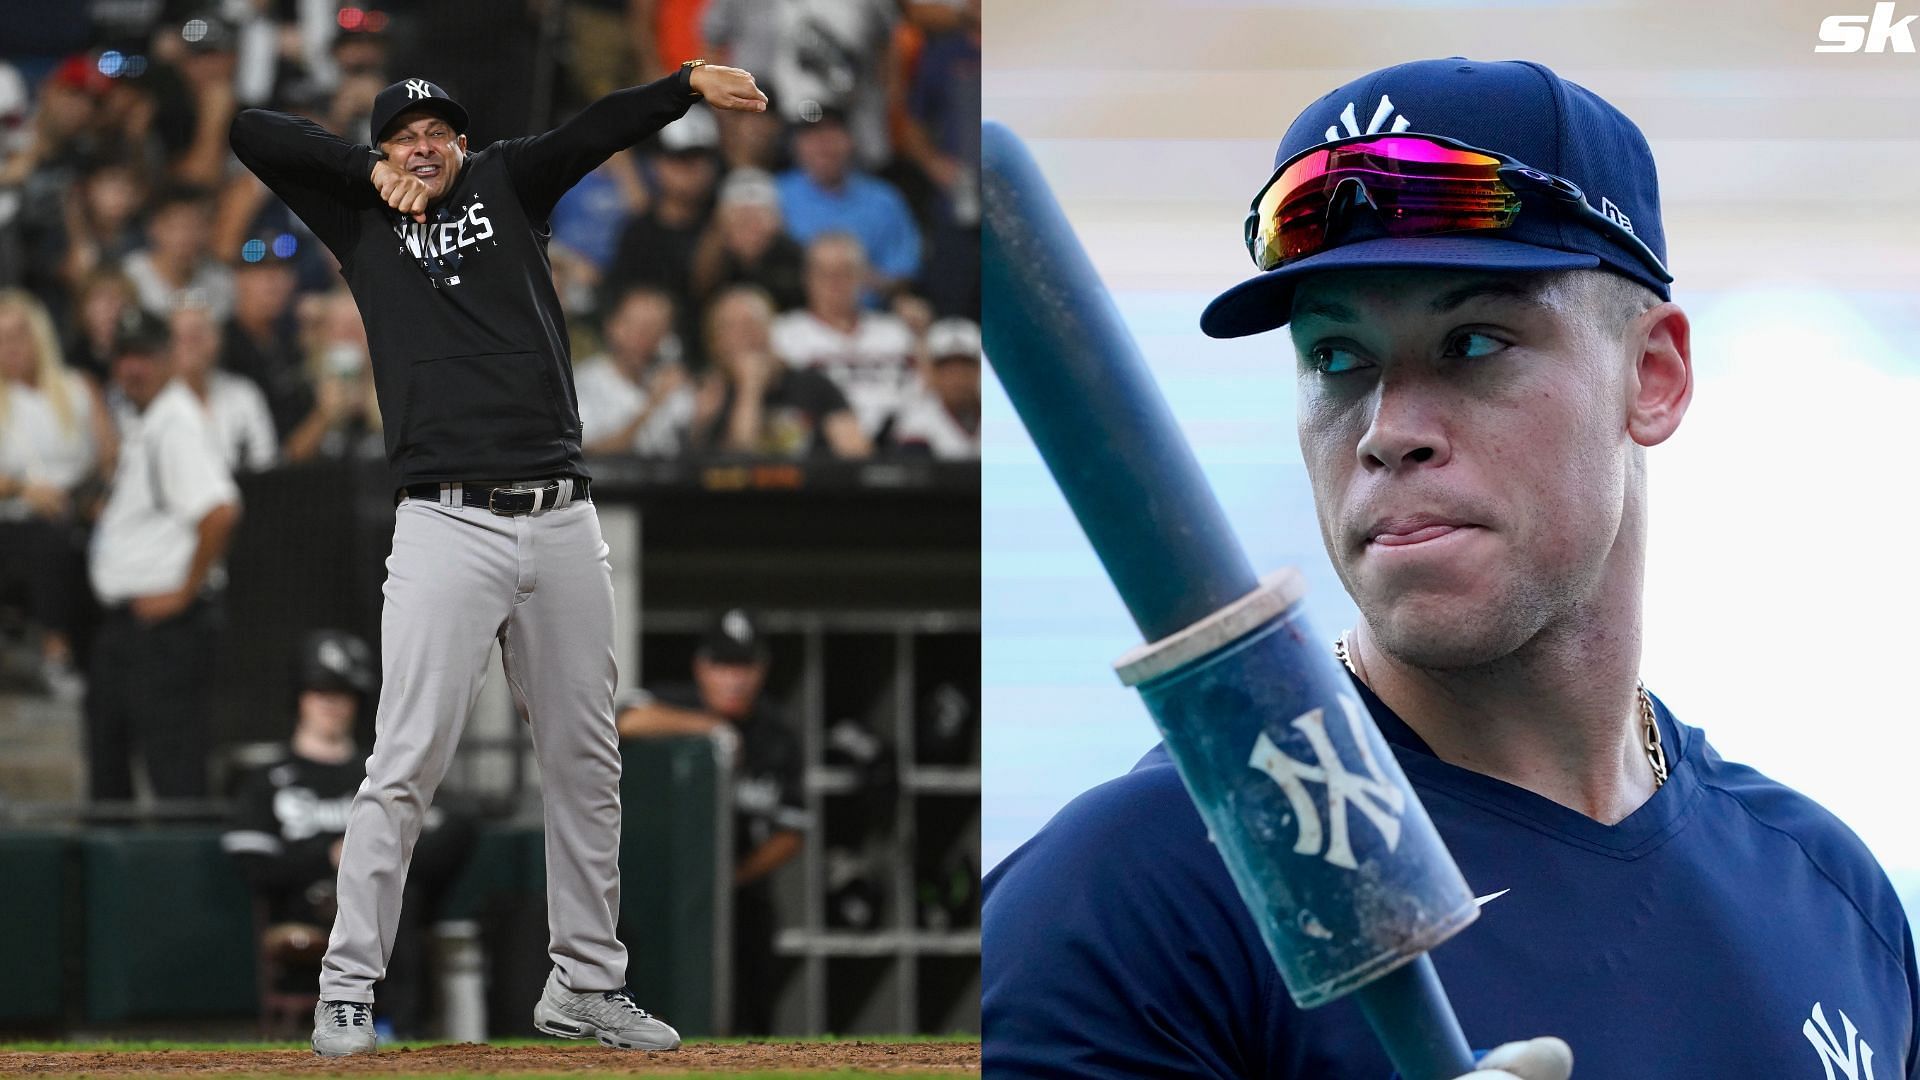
[{"x": 898, "y": 976}]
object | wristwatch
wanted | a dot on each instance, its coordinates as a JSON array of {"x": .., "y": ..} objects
[{"x": 687, "y": 68}]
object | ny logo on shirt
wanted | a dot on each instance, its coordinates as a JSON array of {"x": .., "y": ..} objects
[
  {"x": 1371, "y": 794},
  {"x": 1856, "y": 1063}
]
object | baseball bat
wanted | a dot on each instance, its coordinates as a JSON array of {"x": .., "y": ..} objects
[{"x": 1331, "y": 851}]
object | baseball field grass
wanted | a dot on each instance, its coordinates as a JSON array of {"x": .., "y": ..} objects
[{"x": 521, "y": 1059}]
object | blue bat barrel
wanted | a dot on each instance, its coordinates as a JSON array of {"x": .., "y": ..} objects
[
  {"x": 1338, "y": 862},
  {"x": 1330, "y": 849}
]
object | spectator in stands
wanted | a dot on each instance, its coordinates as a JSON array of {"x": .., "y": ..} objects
[
  {"x": 65, "y": 126},
  {"x": 754, "y": 140},
  {"x": 102, "y": 219},
  {"x": 635, "y": 397},
  {"x": 867, "y": 354},
  {"x": 745, "y": 244},
  {"x": 826, "y": 193},
  {"x": 156, "y": 568},
  {"x": 290, "y": 817},
  {"x": 586, "y": 224},
  {"x": 769, "y": 816},
  {"x": 832, "y": 53},
  {"x": 942, "y": 413},
  {"x": 345, "y": 417},
  {"x": 260, "y": 341},
  {"x": 53, "y": 431},
  {"x": 68, "y": 129},
  {"x": 16, "y": 136},
  {"x": 207, "y": 66},
  {"x": 612, "y": 45},
  {"x": 656, "y": 247},
  {"x": 176, "y": 268},
  {"x": 103, "y": 298},
  {"x": 941, "y": 136},
  {"x": 360, "y": 48},
  {"x": 234, "y": 405},
  {"x": 752, "y": 403}
]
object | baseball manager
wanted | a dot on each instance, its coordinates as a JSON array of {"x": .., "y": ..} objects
[{"x": 495, "y": 537}]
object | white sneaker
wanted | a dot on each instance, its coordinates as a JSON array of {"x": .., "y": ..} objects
[
  {"x": 343, "y": 1027},
  {"x": 610, "y": 1016}
]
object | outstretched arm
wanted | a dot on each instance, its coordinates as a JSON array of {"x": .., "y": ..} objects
[
  {"x": 543, "y": 167},
  {"x": 319, "y": 175}
]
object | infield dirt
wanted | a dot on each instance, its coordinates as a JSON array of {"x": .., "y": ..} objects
[{"x": 469, "y": 1059}]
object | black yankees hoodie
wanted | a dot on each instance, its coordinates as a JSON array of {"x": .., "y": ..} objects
[{"x": 470, "y": 354}]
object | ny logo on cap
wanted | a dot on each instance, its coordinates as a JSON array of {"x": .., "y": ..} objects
[
  {"x": 417, "y": 88},
  {"x": 1381, "y": 113}
]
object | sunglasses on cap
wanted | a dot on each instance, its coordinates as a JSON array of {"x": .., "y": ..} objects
[{"x": 1418, "y": 185}]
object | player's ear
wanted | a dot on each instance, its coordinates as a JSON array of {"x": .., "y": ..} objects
[
  {"x": 1661, "y": 381},
  {"x": 461, "y": 141}
]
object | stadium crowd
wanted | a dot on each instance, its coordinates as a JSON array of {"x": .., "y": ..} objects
[{"x": 796, "y": 284}]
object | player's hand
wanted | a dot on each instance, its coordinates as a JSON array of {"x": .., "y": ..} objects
[
  {"x": 1545, "y": 1058},
  {"x": 727, "y": 88},
  {"x": 401, "y": 190},
  {"x": 160, "y": 607}
]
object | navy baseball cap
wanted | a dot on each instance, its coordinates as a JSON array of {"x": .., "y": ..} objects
[
  {"x": 415, "y": 94},
  {"x": 1512, "y": 107}
]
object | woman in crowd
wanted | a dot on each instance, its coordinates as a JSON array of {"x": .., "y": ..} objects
[{"x": 54, "y": 438}]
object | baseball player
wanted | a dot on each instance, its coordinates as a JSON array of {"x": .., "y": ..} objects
[
  {"x": 1470, "y": 260},
  {"x": 290, "y": 818},
  {"x": 495, "y": 537}
]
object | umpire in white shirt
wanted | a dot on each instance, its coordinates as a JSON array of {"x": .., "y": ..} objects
[{"x": 156, "y": 567}]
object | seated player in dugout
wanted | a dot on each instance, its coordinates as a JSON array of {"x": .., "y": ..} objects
[
  {"x": 770, "y": 814},
  {"x": 1477, "y": 396},
  {"x": 290, "y": 819}
]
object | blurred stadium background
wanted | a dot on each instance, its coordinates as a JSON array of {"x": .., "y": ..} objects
[
  {"x": 1779, "y": 593},
  {"x": 858, "y": 552}
]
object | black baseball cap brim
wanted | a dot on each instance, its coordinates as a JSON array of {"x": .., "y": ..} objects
[{"x": 1265, "y": 302}]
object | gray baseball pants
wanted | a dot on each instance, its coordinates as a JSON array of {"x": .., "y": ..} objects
[{"x": 460, "y": 578}]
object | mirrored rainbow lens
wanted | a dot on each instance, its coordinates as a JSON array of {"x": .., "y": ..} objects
[{"x": 1416, "y": 185}]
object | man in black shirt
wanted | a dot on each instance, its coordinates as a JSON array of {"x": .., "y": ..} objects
[
  {"x": 259, "y": 340},
  {"x": 290, "y": 820},
  {"x": 445, "y": 253},
  {"x": 769, "y": 805}
]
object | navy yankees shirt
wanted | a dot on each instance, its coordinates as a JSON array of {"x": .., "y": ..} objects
[{"x": 1729, "y": 928}]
